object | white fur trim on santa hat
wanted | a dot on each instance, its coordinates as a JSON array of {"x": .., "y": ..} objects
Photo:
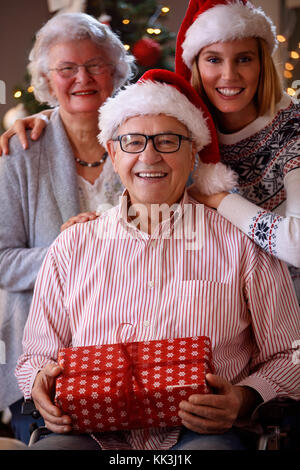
[
  {"x": 226, "y": 23},
  {"x": 214, "y": 178},
  {"x": 148, "y": 97}
]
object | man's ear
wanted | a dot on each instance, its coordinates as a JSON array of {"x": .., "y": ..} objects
[{"x": 111, "y": 149}]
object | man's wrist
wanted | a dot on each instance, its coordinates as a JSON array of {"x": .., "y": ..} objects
[{"x": 249, "y": 398}]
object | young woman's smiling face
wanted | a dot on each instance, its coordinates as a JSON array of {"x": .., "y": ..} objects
[{"x": 230, "y": 73}]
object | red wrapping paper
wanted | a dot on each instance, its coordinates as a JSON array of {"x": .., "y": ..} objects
[{"x": 132, "y": 385}]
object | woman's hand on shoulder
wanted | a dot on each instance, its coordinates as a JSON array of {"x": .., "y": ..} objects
[
  {"x": 212, "y": 200},
  {"x": 36, "y": 122},
  {"x": 80, "y": 218}
]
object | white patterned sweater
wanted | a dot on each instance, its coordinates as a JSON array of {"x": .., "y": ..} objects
[{"x": 266, "y": 205}]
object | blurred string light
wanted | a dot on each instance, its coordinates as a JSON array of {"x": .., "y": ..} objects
[
  {"x": 17, "y": 94},
  {"x": 289, "y": 67}
]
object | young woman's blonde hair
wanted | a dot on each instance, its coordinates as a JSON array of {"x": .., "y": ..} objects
[{"x": 269, "y": 90}]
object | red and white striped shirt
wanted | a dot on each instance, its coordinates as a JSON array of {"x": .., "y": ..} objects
[{"x": 106, "y": 272}]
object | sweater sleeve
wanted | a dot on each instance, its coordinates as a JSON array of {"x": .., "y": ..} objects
[
  {"x": 277, "y": 235},
  {"x": 19, "y": 263}
]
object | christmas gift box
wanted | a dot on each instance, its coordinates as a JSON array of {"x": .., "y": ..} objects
[{"x": 131, "y": 385}]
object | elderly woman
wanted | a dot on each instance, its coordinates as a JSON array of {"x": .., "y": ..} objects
[{"x": 76, "y": 63}]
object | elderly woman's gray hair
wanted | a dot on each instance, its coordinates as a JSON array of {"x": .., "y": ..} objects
[{"x": 75, "y": 26}]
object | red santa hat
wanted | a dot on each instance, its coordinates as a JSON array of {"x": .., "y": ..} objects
[
  {"x": 210, "y": 21},
  {"x": 165, "y": 92}
]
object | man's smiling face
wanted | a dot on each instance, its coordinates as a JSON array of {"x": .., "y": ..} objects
[{"x": 152, "y": 177}]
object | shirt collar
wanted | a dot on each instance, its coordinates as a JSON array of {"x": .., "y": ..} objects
[{"x": 164, "y": 229}]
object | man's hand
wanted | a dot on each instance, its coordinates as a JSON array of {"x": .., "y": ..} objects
[
  {"x": 42, "y": 394},
  {"x": 216, "y": 413}
]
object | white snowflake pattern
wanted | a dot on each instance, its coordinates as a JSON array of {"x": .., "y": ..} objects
[
  {"x": 181, "y": 374},
  {"x": 71, "y": 380},
  {"x": 72, "y": 364},
  {"x": 158, "y": 351},
  {"x": 70, "y": 387},
  {"x": 111, "y": 419},
  {"x": 83, "y": 401},
  {"x": 170, "y": 371},
  {"x": 161, "y": 414},
  {"x": 159, "y": 404},
  {"x": 170, "y": 355},
  {"x": 85, "y": 359},
  {"x": 171, "y": 398},
  {"x": 84, "y": 366},
  {"x": 182, "y": 350},
  {"x": 94, "y": 385},
  {"x": 86, "y": 422},
  {"x": 96, "y": 361},
  {"x": 109, "y": 356},
  {"x": 145, "y": 372},
  {"x": 194, "y": 377},
  {"x": 95, "y": 377},
  {"x": 146, "y": 357},
  {"x": 94, "y": 395},
  {"x": 85, "y": 412},
  {"x": 157, "y": 395},
  {"x": 70, "y": 397},
  {"x": 169, "y": 379},
  {"x": 172, "y": 408},
  {"x": 98, "y": 415},
  {"x": 73, "y": 356},
  {"x": 175, "y": 419},
  {"x": 96, "y": 406},
  {"x": 86, "y": 351},
  {"x": 182, "y": 342},
  {"x": 107, "y": 389},
  {"x": 82, "y": 382},
  {"x": 182, "y": 392},
  {"x": 170, "y": 347},
  {"x": 182, "y": 358},
  {"x": 109, "y": 409},
  {"x": 82, "y": 391},
  {"x": 182, "y": 366},
  {"x": 156, "y": 384}
]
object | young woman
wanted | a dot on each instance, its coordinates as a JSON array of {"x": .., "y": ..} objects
[{"x": 225, "y": 50}]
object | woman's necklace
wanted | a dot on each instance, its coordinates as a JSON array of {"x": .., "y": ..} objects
[{"x": 92, "y": 164}]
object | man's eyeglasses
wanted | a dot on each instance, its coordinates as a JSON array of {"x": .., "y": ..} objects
[
  {"x": 163, "y": 143},
  {"x": 69, "y": 69}
]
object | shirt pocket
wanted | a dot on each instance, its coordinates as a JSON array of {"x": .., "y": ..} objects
[{"x": 206, "y": 308}]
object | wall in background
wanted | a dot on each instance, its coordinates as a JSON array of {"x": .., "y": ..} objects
[{"x": 19, "y": 20}]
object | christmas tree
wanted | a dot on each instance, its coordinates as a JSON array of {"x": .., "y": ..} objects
[{"x": 140, "y": 27}]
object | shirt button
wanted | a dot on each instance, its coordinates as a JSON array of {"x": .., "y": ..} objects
[
  {"x": 151, "y": 284},
  {"x": 146, "y": 323}
]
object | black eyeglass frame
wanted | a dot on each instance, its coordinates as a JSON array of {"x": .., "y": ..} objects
[{"x": 152, "y": 137}]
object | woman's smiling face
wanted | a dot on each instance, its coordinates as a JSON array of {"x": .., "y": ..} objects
[
  {"x": 230, "y": 74},
  {"x": 83, "y": 92}
]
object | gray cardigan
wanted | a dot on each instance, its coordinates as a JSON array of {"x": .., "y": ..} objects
[{"x": 38, "y": 193}]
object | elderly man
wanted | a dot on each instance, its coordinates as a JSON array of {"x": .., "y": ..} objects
[{"x": 172, "y": 269}]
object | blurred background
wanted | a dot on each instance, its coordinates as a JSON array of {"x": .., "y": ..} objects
[{"x": 147, "y": 28}]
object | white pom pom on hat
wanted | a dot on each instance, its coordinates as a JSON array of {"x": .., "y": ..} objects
[
  {"x": 210, "y": 21},
  {"x": 165, "y": 92}
]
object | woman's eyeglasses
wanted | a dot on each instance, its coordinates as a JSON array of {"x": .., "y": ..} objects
[{"x": 70, "y": 69}]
